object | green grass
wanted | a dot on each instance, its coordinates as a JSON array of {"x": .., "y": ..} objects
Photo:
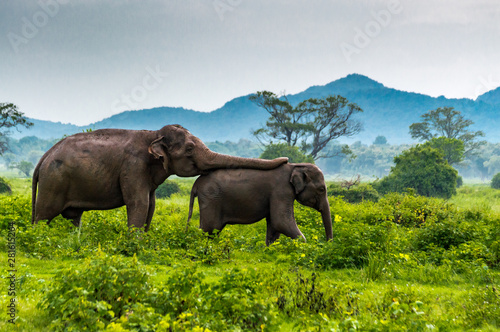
[
  {"x": 478, "y": 196},
  {"x": 404, "y": 263}
]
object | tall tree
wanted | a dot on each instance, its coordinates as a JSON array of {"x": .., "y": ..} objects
[
  {"x": 330, "y": 118},
  {"x": 10, "y": 117},
  {"x": 312, "y": 124},
  {"x": 450, "y": 123},
  {"x": 285, "y": 122}
]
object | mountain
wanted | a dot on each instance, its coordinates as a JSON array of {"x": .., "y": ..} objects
[{"x": 386, "y": 111}]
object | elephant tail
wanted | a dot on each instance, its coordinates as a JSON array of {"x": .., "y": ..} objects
[
  {"x": 194, "y": 193},
  {"x": 34, "y": 185}
]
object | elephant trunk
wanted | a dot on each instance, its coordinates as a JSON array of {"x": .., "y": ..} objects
[
  {"x": 213, "y": 160},
  {"x": 327, "y": 218}
]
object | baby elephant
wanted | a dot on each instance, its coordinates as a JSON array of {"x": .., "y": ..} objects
[{"x": 245, "y": 196}]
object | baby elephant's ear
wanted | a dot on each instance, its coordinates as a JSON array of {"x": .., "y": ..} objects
[
  {"x": 298, "y": 179},
  {"x": 158, "y": 149}
]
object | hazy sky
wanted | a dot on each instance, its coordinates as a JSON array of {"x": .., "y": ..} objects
[{"x": 83, "y": 60}]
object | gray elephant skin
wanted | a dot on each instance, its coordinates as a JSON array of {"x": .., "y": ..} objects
[
  {"x": 108, "y": 168},
  {"x": 245, "y": 196}
]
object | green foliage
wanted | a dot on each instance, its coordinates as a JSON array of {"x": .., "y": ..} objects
[
  {"x": 495, "y": 182},
  {"x": 450, "y": 124},
  {"x": 10, "y": 117},
  {"x": 400, "y": 263},
  {"x": 423, "y": 169},
  {"x": 355, "y": 194},
  {"x": 4, "y": 187},
  {"x": 451, "y": 148},
  {"x": 25, "y": 167},
  {"x": 460, "y": 181},
  {"x": 293, "y": 153},
  {"x": 91, "y": 295},
  {"x": 312, "y": 124},
  {"x": 167, "y": 189}
]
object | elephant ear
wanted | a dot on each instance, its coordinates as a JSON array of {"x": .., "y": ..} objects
[
  {"x": 158, "y": 149},
  {"x": 298, "y": 179}
]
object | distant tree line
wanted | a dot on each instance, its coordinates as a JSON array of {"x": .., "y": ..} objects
[{"x": 372, "y": 160}]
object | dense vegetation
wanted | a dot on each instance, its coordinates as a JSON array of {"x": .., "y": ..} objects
[{"x": 397, "y": 262}]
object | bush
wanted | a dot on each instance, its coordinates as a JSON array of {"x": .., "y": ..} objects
[
  {"x": 167, "y": 189},
  {"x": 423, "y": 169},
  {"x": 89, "y": 296},
  {"x": 460, "y": 181},
  {"x": 284, "y": 150},
  {"x": 495, "y": 182},
  {"x": 4, "y": 187},
  {"x": 356, "y": 194}
]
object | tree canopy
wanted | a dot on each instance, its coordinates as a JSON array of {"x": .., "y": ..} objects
[
  {"x": 311, "y": 124},
  {"x": 449, "y": 123},
  {"x": 424, "y": 169},
  {"x": 452, "y": 148},
  {"x": 293, "y": 153},
  {"x": 10, "y": 117}
]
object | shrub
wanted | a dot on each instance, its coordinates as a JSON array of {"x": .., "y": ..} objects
[
  {"x": 89, "y": 296},
  {"x": 460, "y": 181},
  {"x": 423, "y": 169},
  {"x": 4, "y": 187},
  {"x": 495, "y": 182},
  {"x": 167, "y": 189},
  {"x": 284, "y": 150},
  {"x": 355, "y": 194}
]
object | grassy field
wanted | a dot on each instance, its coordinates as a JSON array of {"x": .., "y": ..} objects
[{"x": 403, "y": 263}]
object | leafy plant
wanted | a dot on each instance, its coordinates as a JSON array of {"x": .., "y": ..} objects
[
  {"x": 4, "y": 187},
  {"x": 167, "y": 189},
  {"x": 89, "y": 296},
  {"x": 495, "y": 181},
  {"x": 423, "y": 169},
  {"x": 355, "y": 194}
]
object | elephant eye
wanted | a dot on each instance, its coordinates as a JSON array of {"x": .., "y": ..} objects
[{"x": 189, "y": 149}]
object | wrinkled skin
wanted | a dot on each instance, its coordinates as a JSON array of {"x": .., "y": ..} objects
[
  {"x": 109, "y": 168},
  {"x": 246, "y": 196}
]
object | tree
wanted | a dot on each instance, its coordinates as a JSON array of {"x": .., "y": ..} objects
[
  {"x": 312, "y": 124},
  {"x": 380, "y": 140},
  {"x": 167, "y": 189},
  {"x": 10, "y": 117},
  {"x": 285, "y": 122},
  {"x": 422, "y": 168},
  {"x": 449, "y": 123},
  {"x": 293, "y": 153},
  {"x": 495, "y": 182},
  {"x": 25, "y": 167},
  {"x": 452, "y": 148}
]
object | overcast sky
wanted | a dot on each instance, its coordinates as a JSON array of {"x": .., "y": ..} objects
[{"x": 84, "y": 60}]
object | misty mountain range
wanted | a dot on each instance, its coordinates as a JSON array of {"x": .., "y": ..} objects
[{"x": 387, "y": 112}]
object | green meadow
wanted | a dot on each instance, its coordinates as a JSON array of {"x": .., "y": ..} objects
[{"x": 403, "y": 263}]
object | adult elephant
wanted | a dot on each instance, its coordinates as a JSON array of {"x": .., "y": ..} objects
[{"x": 108, "y": 168}]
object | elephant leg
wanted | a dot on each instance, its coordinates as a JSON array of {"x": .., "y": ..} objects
[
  {"x": 136, "y": 196},
  {"x": 271, "y": 234},
  {"x": 74, "y": 215},
  {"x": 151, "y": 211},
  {"x": 210, "y": 216},
  {"x": 47, "y": 211},
  {"x": 283, "y": 220}
]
